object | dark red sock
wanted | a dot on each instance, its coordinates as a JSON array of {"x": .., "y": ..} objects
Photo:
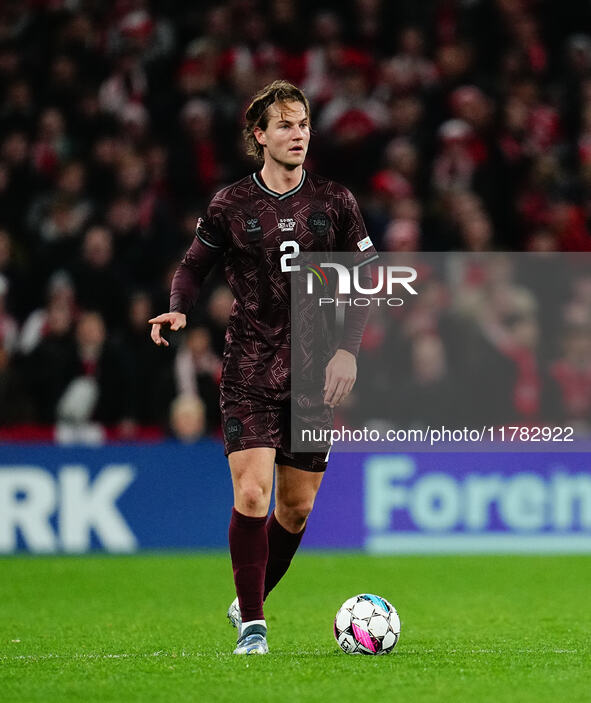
[
  {"x": 249, "y": 549},
  {"x": 282, "y": 546}
]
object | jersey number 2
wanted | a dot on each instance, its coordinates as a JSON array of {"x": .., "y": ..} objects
[{"x": 293, "y": 254}]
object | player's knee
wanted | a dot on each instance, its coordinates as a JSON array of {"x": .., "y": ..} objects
[
  {"x": 293, "y": 517},
  {"x": 252, "y": 498}
]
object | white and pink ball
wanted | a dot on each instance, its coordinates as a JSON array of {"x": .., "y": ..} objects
[{"x": 367, "y": 624}]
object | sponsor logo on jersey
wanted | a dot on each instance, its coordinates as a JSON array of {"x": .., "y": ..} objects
[
  {"x": 364, "y": 244},
  {"x": 319, "y": 223},
  {"x": 287, "y": 224}
]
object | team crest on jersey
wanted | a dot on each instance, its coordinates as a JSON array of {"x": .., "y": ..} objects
[
  {"x": 287, "y": 224},
  {"x": 319, "y": 223}
]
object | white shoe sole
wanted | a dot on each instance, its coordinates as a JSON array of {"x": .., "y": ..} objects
[{"x": 256, "y": 649}]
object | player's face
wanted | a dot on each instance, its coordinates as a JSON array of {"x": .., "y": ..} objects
[{"x": 287, "y": 135}]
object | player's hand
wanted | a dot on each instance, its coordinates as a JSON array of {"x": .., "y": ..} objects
[
  {"x": 341, "y": 372},
  {"x": 176, "y": 320}
]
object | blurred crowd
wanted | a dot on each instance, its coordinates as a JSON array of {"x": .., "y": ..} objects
[{"x": 458, "y": 124}]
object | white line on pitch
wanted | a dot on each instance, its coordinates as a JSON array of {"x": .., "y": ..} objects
[{"x": 180, "y": 655}]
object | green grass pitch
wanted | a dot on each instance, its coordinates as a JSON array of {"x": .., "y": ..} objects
[{"x": 153, "y": 628}]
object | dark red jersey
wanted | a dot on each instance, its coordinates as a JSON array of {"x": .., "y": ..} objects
[{"x": 259, "y": 233}]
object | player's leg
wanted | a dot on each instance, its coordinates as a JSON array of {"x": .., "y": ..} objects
[
  {"x": 295, "y": 492},
  {"x": 252, "y": 480}
]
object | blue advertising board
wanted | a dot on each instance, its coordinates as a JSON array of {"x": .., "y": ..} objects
[
  {"x": 123, "y": 498},
  {"x": 487, "y": 502},
  {"x": 119, "y": 498}
]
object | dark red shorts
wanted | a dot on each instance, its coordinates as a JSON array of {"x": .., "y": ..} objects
[{"x": 250, "y": 420}]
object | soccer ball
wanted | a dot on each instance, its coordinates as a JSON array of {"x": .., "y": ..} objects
[{"x": 367, "y": 624}]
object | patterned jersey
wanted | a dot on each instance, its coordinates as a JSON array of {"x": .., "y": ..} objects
[{"x": 259, "y": 234}]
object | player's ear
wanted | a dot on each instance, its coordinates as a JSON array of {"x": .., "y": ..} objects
[{"x": 259, "y": 135}]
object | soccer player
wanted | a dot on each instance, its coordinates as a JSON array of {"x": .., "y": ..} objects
[{"x": 259, "y": 225}]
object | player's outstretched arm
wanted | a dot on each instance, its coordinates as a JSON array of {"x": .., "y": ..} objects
[{"x": 176, "y": 320}]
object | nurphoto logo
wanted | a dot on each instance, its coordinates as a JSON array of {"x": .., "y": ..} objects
[{"x": 389, "y": 278}]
